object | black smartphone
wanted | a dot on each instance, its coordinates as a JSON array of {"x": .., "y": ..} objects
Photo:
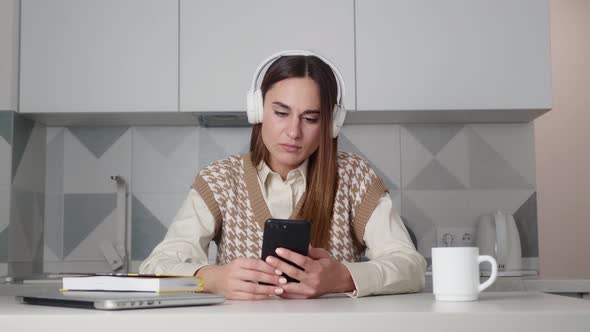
[{"x": 284, "y": 233}]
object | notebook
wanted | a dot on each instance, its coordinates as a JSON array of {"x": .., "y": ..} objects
[
  {"x": 133, "y": 283},
  {"x": 120, "y": 300}
]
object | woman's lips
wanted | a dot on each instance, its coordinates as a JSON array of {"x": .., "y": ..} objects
[{"x": 290, "y": 147}]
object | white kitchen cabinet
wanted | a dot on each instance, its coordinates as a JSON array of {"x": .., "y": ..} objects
[
  {"x": 453, "y": 55},
  {"x": 99, "y": 56},
  {"x": 8, "y": 54},
  {"x": 223, "y": 42}
]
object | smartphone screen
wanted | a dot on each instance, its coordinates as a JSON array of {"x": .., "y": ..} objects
[{"x": 285, "y": 233}]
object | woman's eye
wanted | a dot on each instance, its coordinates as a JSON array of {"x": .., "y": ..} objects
[
  {"x": 311, "y": 120},
  {"x": 281, "y": 113}
]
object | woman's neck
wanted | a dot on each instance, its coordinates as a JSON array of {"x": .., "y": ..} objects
[{"x": 281, "y": 169}]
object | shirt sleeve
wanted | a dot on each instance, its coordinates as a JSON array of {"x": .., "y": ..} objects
[
  {"x": 185, "y": 247},
  {"x": 394, "y": 265}
]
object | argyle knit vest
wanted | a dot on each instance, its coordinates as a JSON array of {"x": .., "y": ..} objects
[{"x": 231, "y": 191}]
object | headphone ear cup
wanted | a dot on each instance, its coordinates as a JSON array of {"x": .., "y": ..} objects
[
  {"x": 258, "y": 105},
  {"x": 254, "y": 106},
  {"x": 338, "y": 117},
  {"x": 250, "y": 109}
]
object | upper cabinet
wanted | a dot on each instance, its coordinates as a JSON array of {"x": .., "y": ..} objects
[
  {"x": 402, "y": 60},
  {"x": 223, "y": 42},
  {"x": 453, "y": 55},
  {"x": 99, "y": 56},
  {"x": 8, "y": 55}
]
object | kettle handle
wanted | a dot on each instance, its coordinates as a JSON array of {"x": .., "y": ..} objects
[{"x": 501, "y": 238}]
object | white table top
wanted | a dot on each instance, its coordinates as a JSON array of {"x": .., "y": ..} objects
[
  {"x": 511, "y": 311},
  {"x": 558, "y": 285},
  {"x": 502, "y": 284}
]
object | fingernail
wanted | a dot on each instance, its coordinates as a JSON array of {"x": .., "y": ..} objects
[
  {"x": 279, "y": 273},
  {"x": 269, "y": 259},
  {"x": 278, "y": 291},
  {"x": 283, "y": 280},
  {"x": 280, "y": 251}
]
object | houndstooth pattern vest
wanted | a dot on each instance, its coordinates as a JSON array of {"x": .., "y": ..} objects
[{"x": 231, "y": 191}]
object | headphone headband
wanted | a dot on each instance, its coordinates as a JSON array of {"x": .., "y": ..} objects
[
  {"x": 263, "y": 67},
  {"x": 254, "y": 98}
]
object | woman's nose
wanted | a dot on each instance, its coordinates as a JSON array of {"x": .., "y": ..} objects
[{"x": 294, "y": 129}]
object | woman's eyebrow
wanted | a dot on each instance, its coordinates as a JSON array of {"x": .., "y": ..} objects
[
  {"x": 311, "y": 112},
  {"x": 278, "y": 103}
]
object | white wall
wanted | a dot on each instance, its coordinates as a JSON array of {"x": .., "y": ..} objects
[{"x": 563, "y": 147}]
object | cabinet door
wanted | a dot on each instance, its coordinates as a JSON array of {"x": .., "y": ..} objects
[
  {"x": 8, "y": 54},
  {"x": 452, "y": 54},
  {"x": 99, "y": 56},
  {"x": 223, "y": 42}
]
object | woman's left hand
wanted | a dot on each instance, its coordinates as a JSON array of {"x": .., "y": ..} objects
[{"x": 321, "y": 274}]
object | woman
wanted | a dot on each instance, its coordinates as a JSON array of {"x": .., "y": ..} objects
[{"x": 293, "y": 170}]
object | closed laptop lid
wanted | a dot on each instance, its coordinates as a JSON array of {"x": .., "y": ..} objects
[{"x": 120, "y": 300}]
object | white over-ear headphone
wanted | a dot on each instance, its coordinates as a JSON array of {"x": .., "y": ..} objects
[{"x": 254, "y": 97}]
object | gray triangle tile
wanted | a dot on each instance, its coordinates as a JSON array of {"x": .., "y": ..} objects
[
  {"x": 19, "y": 244},
  {"x": 23, "y": 128},
  {"x": 6, "y": 126},
  {"x": 434, "y": 137},
  {"x": 426, "y": 243},
  {"x": 231, "y": 140},
  {"x": 209, "y": 149},
  {"x": 53, "y": 231},
  {"x": 27, "y": 216},
  {"x": 98, "y": 139},
  {"x": 89, "y": 247},
  {"x": 52, "y": 132},
  {"x": 49, "y": 255},
  {"x": 415, "y": 218},
  {"x": 527, "y": 224},
  {"x": 488, "y": 170},
  {"x": 23, "y": 203},
  {"x": 82, "y": 214},
  {"x": 4, "y": 238},
  {"x": 30, "y": 173},
  {"x": 38, "y": 222},
  {"x": 55, "y": 164},
  {"x": 165, "y": 139},
  {"x": 38, "y": 258},
  {"x": 435, "y": 177},
  {"x": 344, "y": 144},
  {"x": 147, "y": 230}
]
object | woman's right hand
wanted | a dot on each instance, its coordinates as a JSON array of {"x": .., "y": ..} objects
[{"x": 238, "y": 279}]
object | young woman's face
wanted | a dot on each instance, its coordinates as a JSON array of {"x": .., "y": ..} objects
[{"x": 291, "y": 122}]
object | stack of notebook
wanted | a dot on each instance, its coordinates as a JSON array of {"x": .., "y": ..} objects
[{"x": 133, "y": 283}]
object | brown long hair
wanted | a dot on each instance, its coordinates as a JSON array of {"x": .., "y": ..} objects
[{"x": 322, "y": 172}]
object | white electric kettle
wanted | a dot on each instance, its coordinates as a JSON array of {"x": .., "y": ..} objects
[{"x": 497, "y": 236}]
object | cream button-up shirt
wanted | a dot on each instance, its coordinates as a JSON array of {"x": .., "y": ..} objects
[{"x": 394, "y": 265}]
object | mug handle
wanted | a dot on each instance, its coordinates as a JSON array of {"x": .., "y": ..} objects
[{"x": 492, "y": 278}]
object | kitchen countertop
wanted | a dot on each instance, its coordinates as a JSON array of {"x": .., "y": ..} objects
[
  {"x": 502, "y": 284},
  {"x": 558, "y": 285},
  {"x": 506, "y": 311},
  {"x": 505, "y": 284}
]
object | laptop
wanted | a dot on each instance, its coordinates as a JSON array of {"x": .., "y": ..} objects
[{"x": 120, "y": 300}]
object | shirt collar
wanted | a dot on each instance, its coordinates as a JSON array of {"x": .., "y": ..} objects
[{"x": 264, "y": 171}]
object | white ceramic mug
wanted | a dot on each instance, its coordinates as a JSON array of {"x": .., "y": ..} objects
[{"x": 455, "y": 273}]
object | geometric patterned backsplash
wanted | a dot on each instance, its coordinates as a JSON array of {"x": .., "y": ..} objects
[
  {"x": 440, "y": 175},
  {"x": 5, "y": 183},
  {"x": 22, "y": 194}
]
